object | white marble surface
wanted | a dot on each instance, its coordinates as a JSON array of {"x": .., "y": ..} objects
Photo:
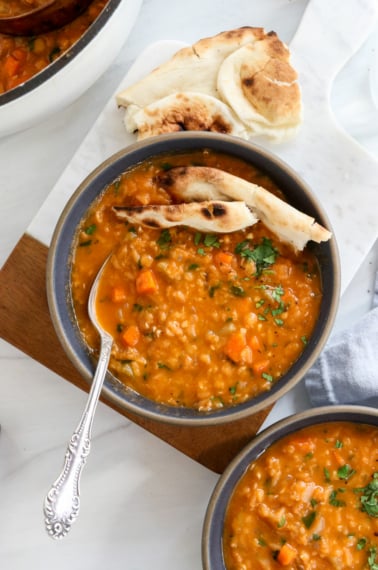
[{"x": 142, "y": 501}]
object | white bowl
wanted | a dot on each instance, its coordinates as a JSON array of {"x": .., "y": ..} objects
[{"x": 68, "y": 77}]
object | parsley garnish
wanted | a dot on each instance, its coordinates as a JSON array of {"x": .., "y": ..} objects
[
  {"x": 345, "y": 472},
  {"x": 369, "y": 497},
  {"x": 164, "y": 239},
  {"x": 264, "y": 254},
  {"x": 281, "y": 522},
  {"x": 210, "y": 240},
  {"x": 237, "y": 291},
  {"x": 90, "y": 229},
  {"x": 309, "y": 519},
  {"x": 334, "y": 501},
  {"x": 267, "y": 377},
  {"x": 372, "y": 558}
]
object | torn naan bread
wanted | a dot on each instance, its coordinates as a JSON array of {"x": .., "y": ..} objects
[
  {"x": 208, "y": 216},
  {"x": 186, "y": 111},
  {"x": 193, "y": 68},
  {"x": 197, "y": 183},
  {"x": 259, "y": 84}
]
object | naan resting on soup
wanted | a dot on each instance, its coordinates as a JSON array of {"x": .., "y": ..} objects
[
  {"x": 183, "y": 111},
  {"x": 247, "y": 70},
  {"x": 197, "y": 183},
  {"x": 209, "y": 216}
]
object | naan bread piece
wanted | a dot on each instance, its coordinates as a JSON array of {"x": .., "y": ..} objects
[
  {"x": 186, "y": 111},
  {"x": 193, "y": 68},
  {"x": 193, "y": 183},
  {"x": 260, "y": 85},
  {"x": 208, "y": 216}
]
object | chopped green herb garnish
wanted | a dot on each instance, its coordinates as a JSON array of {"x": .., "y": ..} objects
[
  {"x": 316, "y": 536},
  {"x": 334, "y": 501},
  {"x": 197, "y": 238},
  {"x": 193, "y": 266},
  {"x": 345, "y": 472},
  {"x": 304, "y": 339},
  {"x": 281, "y": 522},
  {"x": 279, "y": 322},
  {"x": 211, "y": 240},
  {"x": 373, "y": 565},
  {"x": 162, "y": 365},
  {"x": 164, "y": 239},
  {"x": 212, "y": 289},
  {"x": 259, "y": 303},
  {"x": 361, "y": 543},
  {"x": 261, "y": 317},
  {"x": 201, "y": 251},
  {"x": 280, "y": 309},
  {"x": 277, "y": 293},
  {"x": 309, "y": 455},
  {"x": 309, "y": 519},
  {"x": 237, "y": 291},
  {"x": 137, "y": 307},
  {"x": 132, "y": 230},
  {"x": 313, "y": 502},
  {"x": 90, "y": 229},
  {"x": 119, "y": 327},
  {"x": 338, "y": 444},
  {"x": 369, "y": 497},
  {"x": 166, "y": 166},
  {"x": 232, "y": 389},
  {"x": 54, "y": 53},
  {"x": 327, "y": 474},
  {"x": 267, "y": 376},
  {"x": 264, "y": 254}
]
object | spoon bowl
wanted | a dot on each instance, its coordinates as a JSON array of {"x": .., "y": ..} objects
[
  {"x": 62, "y": 503},
  {"x": 51, "y": 15}
]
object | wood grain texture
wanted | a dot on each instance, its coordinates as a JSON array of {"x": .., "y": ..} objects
[{"x": 23, "y": 300}]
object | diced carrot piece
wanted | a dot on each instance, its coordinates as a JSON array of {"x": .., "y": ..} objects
[
  {"x": 286, "y": 555},
  {"x": 146, "y": 282},
  {"x": 20, "y": 54},
  {"x": 11, "y": 66},
  {"x": 119, "y": 294},
  {"x": 339, "y": 459},
  {"x": 223, "y": 260},
  {"x": 131, "y": 335},
  {"x": 235, "y": 345},
  {"x": 261, "y": 366}
]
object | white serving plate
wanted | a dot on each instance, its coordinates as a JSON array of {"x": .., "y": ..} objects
[{"x": 68, "y": 77}]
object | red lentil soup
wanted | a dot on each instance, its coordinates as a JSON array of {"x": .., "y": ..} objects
[
  {"x": 199, "y": 320},
  {"x": 310, "y": 501},
  {"x": 23, "y": 57}
]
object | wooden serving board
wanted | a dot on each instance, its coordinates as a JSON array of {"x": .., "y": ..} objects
[
  {"x": 214, "y": 447},
  {"x": 339, "y": 161}
]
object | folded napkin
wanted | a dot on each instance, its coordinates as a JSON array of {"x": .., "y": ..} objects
[{"x": 347, "y": 370}]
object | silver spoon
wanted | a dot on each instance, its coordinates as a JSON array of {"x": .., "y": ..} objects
[{"x": 62, "y": 503}]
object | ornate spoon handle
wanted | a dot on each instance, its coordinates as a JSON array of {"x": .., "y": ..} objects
[{"x": 62, "y": 503}]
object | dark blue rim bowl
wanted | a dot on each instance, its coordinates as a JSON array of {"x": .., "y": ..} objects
[
  {"x": 212, "y": 547},
  {"x": 60, "y": 256}
]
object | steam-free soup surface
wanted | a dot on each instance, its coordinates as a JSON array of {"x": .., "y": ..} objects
[
  {"x": 309, "y": 502},
  {"x": 199, "y": 320}
]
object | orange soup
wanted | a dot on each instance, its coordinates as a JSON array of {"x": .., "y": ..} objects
[
  {"x": 23, "y": 57},
  {"x": 199, "y": 320},
  {"x": 310, "y": 501}
]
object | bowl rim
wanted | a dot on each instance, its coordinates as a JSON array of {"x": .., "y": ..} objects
[
  {"x": 221, "y": 494},
  {"x": 61, "y": 62},
  {"x": 161, "y": 413}
]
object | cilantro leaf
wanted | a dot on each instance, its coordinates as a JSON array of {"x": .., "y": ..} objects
[
  {"x": 264, "y": 254},
  {"x": 369, "y": 497}
]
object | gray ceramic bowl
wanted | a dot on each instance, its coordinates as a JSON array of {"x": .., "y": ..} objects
[
  {"x": 58, "y": 272},
  {"x": 212, "y": 555}
]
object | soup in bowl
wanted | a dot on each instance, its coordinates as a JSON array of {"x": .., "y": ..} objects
[
  {"x": 302, "y": 494},
  {"x": 213, "y": 315}
]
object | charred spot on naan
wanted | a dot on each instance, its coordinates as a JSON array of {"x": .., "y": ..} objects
[
  {"x": 217, "y": 216},
  {"x": 206, "y": 183}
]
